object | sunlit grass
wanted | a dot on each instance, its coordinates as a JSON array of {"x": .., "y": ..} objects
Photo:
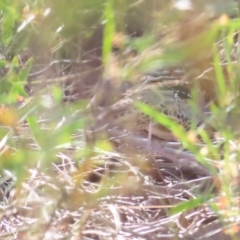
[{"x": 62, "y": 159}]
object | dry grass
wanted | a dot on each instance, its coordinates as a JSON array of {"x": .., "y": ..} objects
[{"x": 65, "y": 175}]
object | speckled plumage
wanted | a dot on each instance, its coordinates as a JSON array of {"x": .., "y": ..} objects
[{"x": 125, "y": 114}]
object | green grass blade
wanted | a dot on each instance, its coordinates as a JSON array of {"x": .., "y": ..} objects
[{"x": 109, "y": 29}]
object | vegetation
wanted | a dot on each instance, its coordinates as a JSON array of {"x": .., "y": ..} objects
[{"x": 63, "y": 173}]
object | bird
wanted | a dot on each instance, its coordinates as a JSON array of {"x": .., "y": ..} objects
[{"x": 168, "y": 101}]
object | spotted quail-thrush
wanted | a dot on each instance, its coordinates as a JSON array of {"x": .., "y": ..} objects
[{"x": 124, "y": 113}]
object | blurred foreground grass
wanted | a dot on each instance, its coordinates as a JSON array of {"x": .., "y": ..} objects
[{"x": 62, "y": 176}]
